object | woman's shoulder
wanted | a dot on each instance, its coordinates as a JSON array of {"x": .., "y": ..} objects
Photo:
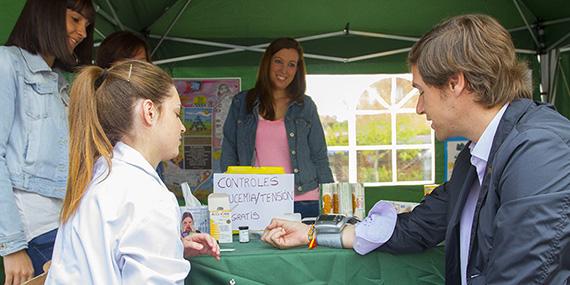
[
  {"x": 10, "y": 54},
  {"x": 20, "y": 59},
  {"x": 241, "y": 96},
  {"x": 239, "y": 101},
  {"x": 307, "y": 103},
  {"x": 308, "y": 99},
  {"x": 10, "y": 51}
]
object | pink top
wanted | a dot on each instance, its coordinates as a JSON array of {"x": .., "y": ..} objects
[{"x": 272, "y": 149}]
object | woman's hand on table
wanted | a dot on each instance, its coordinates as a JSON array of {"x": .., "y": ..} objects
[
  {"x": 201, "y": 244},
  {"x": 285, "y": 234}
]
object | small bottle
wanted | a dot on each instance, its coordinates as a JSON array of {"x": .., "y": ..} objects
[{"x": 243, "y": 234}]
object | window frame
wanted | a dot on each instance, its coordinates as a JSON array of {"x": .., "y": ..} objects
[{"x": 393, "y": 110}]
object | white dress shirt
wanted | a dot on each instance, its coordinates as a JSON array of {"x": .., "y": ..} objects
[{"x": 125, "y": 231}]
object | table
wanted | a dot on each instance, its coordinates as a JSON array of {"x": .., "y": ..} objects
[{"x": 258, "y": 263}]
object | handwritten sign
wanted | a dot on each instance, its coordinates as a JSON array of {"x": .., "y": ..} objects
[{"x": 256, "y": 198}]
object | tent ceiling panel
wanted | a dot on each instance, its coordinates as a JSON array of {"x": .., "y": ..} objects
[
  {"x": 245, "y": 19},
  {"x": 245, "y": 22}
]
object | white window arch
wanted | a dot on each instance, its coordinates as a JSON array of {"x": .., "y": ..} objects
[{"x": 373, "y": 133}]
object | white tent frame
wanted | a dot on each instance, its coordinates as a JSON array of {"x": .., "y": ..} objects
[{"x": 549, "y": 57}]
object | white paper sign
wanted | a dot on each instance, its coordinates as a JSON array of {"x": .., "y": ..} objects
[{"x": 256, "y": 198}]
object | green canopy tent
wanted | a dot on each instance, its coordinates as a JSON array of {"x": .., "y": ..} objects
[
  {"x": 225, "y": 38},
  {"x": 215, "y": 38}
]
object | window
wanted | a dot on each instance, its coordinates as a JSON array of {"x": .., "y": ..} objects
[{"x": 373, "y": 133}]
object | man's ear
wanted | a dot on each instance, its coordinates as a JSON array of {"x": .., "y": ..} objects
[
  {"x": 457, "y": 83},
  {"x": 149, "y": 112}
]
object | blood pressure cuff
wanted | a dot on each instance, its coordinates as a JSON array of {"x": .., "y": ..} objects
[{"x": 330, "y": 239}]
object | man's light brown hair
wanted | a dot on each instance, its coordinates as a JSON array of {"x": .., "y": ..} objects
[{"x": 480, "y": 48}]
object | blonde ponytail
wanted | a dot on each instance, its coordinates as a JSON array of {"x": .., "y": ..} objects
[{"x": 87, "y": 140}]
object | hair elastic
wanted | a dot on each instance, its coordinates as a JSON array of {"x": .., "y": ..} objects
[{"x": 102, "y": 76}]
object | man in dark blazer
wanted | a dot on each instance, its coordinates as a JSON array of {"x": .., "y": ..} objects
[{"x": 505, "y": 213}]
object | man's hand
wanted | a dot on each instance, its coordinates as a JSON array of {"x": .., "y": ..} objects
[
  {"x": 18, "y": 268},
  {"x": 201, "y": 244},
  {"x": 285, "y": 234}
]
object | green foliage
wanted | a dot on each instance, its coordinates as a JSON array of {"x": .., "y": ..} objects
[
  {"x": 412, "y": 129},
  {"x": 373, "y": 130},
  {"x": 336, "y": 133}
]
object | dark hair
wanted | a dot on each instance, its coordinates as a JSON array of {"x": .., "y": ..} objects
[
  {"x": 101, "y": 113},
  {"x": 480, "y": 48},
  {"x": 120, "y": 46},
  {"x": 187, "y": 215},
  {"x": 263, "y": 87},
  {"x": 41, "y": 29}
]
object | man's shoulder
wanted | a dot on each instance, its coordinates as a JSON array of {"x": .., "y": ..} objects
[{"x": 543, "y": 121}]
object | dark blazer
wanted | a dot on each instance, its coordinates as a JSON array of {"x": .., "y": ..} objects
[{"x": 521, "y": 227}]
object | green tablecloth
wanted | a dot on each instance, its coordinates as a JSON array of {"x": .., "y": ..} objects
[{"x": 257, "y": 263}]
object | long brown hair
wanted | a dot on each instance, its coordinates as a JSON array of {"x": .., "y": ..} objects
[
  {"x": 263, "y": 89},
  {"x": 101, "y": 114},
  {"x": 480, "y": 48}
]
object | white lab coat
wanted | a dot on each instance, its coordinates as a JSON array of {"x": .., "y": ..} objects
[{"x": 125, "y": 231}]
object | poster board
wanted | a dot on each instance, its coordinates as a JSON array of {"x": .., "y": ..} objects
[
  {"x": 452, "y": 148},
  {"x": 256, "y": 198},
  {"x": 205, "y": 106}
]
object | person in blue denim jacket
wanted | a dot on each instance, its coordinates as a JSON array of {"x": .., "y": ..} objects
[
  {"x": 47, "y": 37},
  {"x": 276, "y": 124}
]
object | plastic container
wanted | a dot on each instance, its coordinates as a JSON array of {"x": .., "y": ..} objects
[{"x": 243, "y": 234}]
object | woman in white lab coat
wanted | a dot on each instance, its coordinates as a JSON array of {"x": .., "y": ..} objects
[{"x": 120, "y": 225}]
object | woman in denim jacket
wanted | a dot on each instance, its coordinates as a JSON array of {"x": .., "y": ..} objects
[
  {"x": 275, "y": 124},
  {"x": 33, "y": 129}
]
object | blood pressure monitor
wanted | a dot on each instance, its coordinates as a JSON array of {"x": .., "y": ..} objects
[
  {"x": 329, "y": 228},
  {"x": 330, "y": 223}
]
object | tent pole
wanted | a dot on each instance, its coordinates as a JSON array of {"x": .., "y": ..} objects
[
  {"x": 544, "y": 24},
  {"x": 565, "y": 82},
  {"x": 115, "y": 15},
  {"x": 234, "y": 48},
  {"x": 109, "y": 18},
  {"x": 548, "y": 67},
  {"x": 384, "y": 36},
  {"x": 561, "y": 40},
  {"x": 189, "y": 57},
  {"x": 379, "y": 54},
  {"x": 104, "y": 14},
  {"x": 320, "y": 36},
  {"x": 261, "y": 48},
  {"x": 516, "y": 2},
  {"x": 525, "y": 51},
  {"x": 214, "y": 44},
  {"x": 100, "y": 34},
  {"x": 554, "y": 87},
  {"x": 170, "y": 27}
]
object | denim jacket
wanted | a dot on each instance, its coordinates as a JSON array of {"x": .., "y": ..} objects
[
  {"x": 33, "y": 137},
  {"x": 307, "y": 145}
]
